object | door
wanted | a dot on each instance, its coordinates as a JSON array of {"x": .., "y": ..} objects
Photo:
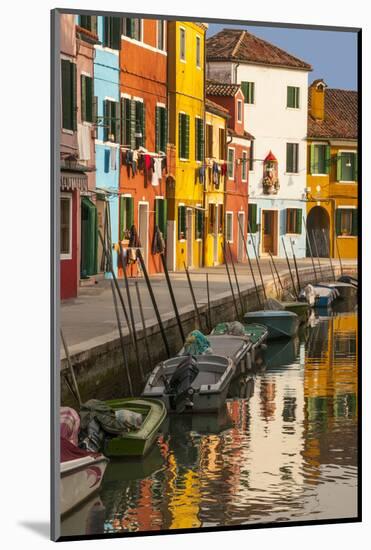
[
  {"x": 318, "y": 223},
  {"x": 269, "y": 232},
  {"x": 189, "y": 229},
  {"x": 215, "y": 236},
  {"x": 89, "y": 238},
  {"x": 143, "y": 229},
  {"x": 240, "y": 244}
]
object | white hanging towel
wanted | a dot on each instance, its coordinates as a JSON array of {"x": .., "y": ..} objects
[
  {"x": 113, "y": 158},
  {"x": 83, "y": 140},
  {"x": 157, "y": 171}
]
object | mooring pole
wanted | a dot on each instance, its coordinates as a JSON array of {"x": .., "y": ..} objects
[
  {"x": 276, "y": 270},
  {"x": 69, "y": 363},
  {"x": 289, "y": 267},
  {"x": 173, "y": 301},
  {"x": 124, "y": 357},
  {"x": 143, "y": 325},
  {"x": 316, "y": 247},
  {"x": 208, "y": 301},
  {"x": 193, "y": 297},
  {"x": 258, "y": 263},
  {"x": 327, "y": 244},
  {"x": 153, "y": 300},
  {"x": 235, "y": 276},
  {"x": 296, "y": 266},
  {"x": 310, "y": 250},
  {"x": 230, "y": 280},
  {"x": 341, "y": 264},
  {"x": 274, "y": 279},
  {"x": 250, "y": 264}
]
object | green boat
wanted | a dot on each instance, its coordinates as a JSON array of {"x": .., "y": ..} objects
[
  {"x": 300, "y": 308},
  {"x": 136, "y": 442},
  {"x": 257, "y": 333}
]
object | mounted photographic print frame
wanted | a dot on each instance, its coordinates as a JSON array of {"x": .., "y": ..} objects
[{"x": 205, "y": 279}]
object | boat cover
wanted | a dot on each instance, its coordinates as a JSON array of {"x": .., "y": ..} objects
[
  {"x": 235, "y": 328},
  {"x": 196, "y": 344},
  {"x": 69, "y": 424}
]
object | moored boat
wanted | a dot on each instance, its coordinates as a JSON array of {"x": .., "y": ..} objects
[
  {"x": 257, "y": 334},
  {"x": 319, "y": 296},
  {"x": 345, "y": 290},
  {"x": 300, "y": 308},
  {"x": 280, "y": 324},
  {"x": 349, "y": 279}
]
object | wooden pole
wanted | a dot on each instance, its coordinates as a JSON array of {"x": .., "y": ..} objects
[
  {"x": 235, "y": 276},
  {"x": 327, "y": 244},
  {"x": 258, "y": 263},
  {"x": 230, "y": 281},
  {"x": 144, "y": 326},
  {"x": 296, "y": 266},
  {"x": 154, "y": 303},
  {"x": 132, "y": 320},
  {"x": 208, "y": 301},
  {"x": 310, "y": 250},
  {"x": 124, "y": 357},
  {"x": 316, "y": 247},
  {"x": 341, "y": 264},
  {"x": 249, "y": 260},
  {"x": 69, "y": 363},
  {"x": 288, "y": 265},
  {"x": 173, "y": 301},
  {"x": 274, "y": 279},
  {"x": 193, "y": 297},
  {"x": 276, "y": 270}
]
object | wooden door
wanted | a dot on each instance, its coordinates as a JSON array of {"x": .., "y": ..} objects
[
  {"x": 269, "y": 243},
  {"x": 143, "y": 229}
]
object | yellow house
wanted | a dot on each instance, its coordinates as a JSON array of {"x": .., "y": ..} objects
[
  {"x": 184, "y": 189},
  {"x": 215, "y": 161},
  {"x": 332, "y": 181}
]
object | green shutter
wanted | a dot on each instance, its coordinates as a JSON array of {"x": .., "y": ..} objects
[
  {"x": 290, "y": 96},
  {"x": 287, "y": 222},
  {"x": 313, "y": 169},
  {"x": 106, "y": 122},
  {"x": 83, "y": 97},
  {"x": 338, "y": 221},
  {"x": 143, "y": 123},
  {"x": 252, "y": 215},
  {"x": 328, "y": 159},
  {"x": 94, "y": 108},
  {"x": 244, "y": 88},
  {"x": 355, "y": 222},
  {"x": 182, "y": 222},
  {"x": 158, "y": 130},
  {"x": 89, "y": 98},
  {"x": 338, "y": 167},
  {"x": 299, "y": 220},
  {"x": 180, "y": 134},
  {"x": 132, "y": 123},
  {"x": 132, "y": 27},
  {"x": 66, "y": 95},
  {"x": 106, "y": 31},
  {"x": 355, "y": 166},
  {"x": 93, "y": 24},
  {"x": 74, "y": 95},
  {"x": 122, "y": 218},
  {"x": 161, "y": 215},
  {"x": 117, "y": 121},
  {"x": 130, "y": 212},
  {"x": 187, "y": 127},
  {"x": 115, "y": 33},
  {"x": 122, "y": 121}
]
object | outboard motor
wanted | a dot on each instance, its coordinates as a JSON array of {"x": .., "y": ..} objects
[{"x": 180, "y": 384}]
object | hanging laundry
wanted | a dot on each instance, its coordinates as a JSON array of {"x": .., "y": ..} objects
[
  {"x": 215, "y": 174},
  {"x": 113, "y": 159},
  {"x": 164, "y": 163},
  {"x": 83, "y": 140},
  {"x": 223, "y": 169},
  {"x": 201, "y": 174},
  {"x": 157, "y": 171},
  {"x": 158, "y": 243},
  {"x": 107, "y": 155},
  {"x": 147, "y": 162}
]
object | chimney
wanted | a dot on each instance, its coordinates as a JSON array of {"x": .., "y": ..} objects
[{"x": 317, "y": 99}]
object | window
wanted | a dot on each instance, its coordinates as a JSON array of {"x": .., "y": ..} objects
[
  {"x": 244, "y": 165},
  {"x": 184, "y": 122},
  {"x": 69, "y": 107},
  {"x": 87, "y": 98},
  {"x": 231, "y": 163},
  {"x": 161, "y": 35},
  {"x": 66, "y": 227},
  {"x": 126, "y": 121},
  {"x": 212, "y": 218},
  {"x": 126, "y": 216},
  {"x": 229, "y": 226},
  {"x": 199, "y": 224},
  {"x": 112, "y": 32},
  {"x": 88, "y": 22},
  {"x": 248, "y": 90},
  {"x": 319, "y": 158},
  {"x": 161, "y": 215},
  {"x": 293, "y": 97},
  {"x": 239, "y": 110},
  {"x": 294, "y": 218},
  {"x": 251, "y": 163},
  {"x": 292, "y": 153},
  {"x": 161, "y": 128},
  {"x": 182, "y": 46},
  {"x": 111, "y": 121},
  {"x": 209, "y": 141},
  {"x": 221, "y": 144},
  {"x": 182, "y": 228},
  {"x": 140, "y": 124},
  {"x": 347, "y": 222},
  {"x": 220, "y": 218},
  {"x": 198, "y": 52},
  {"x": 199, "y": 141},
  {"x": 347, "y": 166},
  {"x": 132, "y": 28},
  {"x": 252, "y": 217}
]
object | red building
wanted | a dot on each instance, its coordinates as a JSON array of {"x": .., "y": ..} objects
[
  {"x": 239, "y": 146},
  {"x": 143, "y": 91}
]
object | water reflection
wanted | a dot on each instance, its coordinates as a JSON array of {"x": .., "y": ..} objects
[{"x": 284, "y": 448}]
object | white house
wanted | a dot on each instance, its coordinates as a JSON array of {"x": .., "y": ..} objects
[{"x": 275, "y": 85}]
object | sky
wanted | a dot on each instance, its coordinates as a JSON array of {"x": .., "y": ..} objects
[{"x": 333, "y": 55}]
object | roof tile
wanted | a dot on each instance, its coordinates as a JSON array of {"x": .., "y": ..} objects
[{"x": 341, "y": 115}]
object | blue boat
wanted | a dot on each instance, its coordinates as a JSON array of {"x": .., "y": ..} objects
[{"x": 280, "y": 324}]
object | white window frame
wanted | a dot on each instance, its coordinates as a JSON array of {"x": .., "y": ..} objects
[
  {"x": 181, "y": 59},
  {"x": 299, "y": 98},
  {"x": 198, "y": 51},
  {"x": 233, "y": 162},
  {"x": 325, "y": 145},
  {"x": 244, "y": 155},
  {"x": 354, "y": 153},
  {"x": 239, "y": 110},
  {"x": 69, "y": 255},
  {"x": 254, "y": 86},
  {"x": 229, "y": 213},
  {"x": 161, "y": 22}
]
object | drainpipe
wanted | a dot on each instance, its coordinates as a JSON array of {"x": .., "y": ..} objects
[{"x": 235, "y": 73}]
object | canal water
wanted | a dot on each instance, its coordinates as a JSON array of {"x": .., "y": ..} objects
[{"x": 283, "y": 449}]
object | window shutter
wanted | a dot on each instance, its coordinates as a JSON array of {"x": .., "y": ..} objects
[
  {"x": 252, "y": 215},
  {"x": 182, "y": 222},
  {"x": 130, "y": 212},
  {"x": 122, "y": 218},
  {"x": 106, "y": 31},
  {"x": 122, "y": 121},
  {"x": 287, "y": 223},
  {"x": 299, "y": 220},
  {"x": 106, "y": 122},
  {"x": 158, "y": 130},
  {"x": 161, "y": 215},
  {"x": 66, "y": 95},
  {"x": 290, "y": 96},
  {"x": 93, "y": 24},
  {"x": 94, "y": 109},
  {"x": 132, "y": 123},
  {"x": 180, "y": 134},
  {"x": 338, "y": 221},
  {"x": 143, "y": 123},
  {"x": 83, "y": 97},
  {"x": 117, "y": 121},
  {"x": 187, "y": 124},
  {"x": 74, "y": 95},
  {"x": 338, "y": 168},
  {"x": 355, "y": 222},
  {"x": 328, "y": 159},
  {"x": 355, "y": 166},
  {"x": 164, "y": 131},
  {"x": 244, "y": 88},
  {"x": 312, "y": 159},
  {"x": 89, "y": 98},
  {"x": 202, "y": 141},
  {"x": 289, "y": 157},
  {"x": 116, "y": 32}
]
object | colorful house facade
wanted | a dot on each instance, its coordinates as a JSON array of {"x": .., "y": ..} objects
[
  {"x": 143, "y": 99},
  {"x": 184, "y": 184},
  {"x": 332, "y": 181},
  {"x": 230, "y": 97},
  {"x": 214, "y": 185},
  {"x": 278, "y": 121}
]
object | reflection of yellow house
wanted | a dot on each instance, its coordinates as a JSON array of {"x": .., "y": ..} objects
[
  {"x": 215, "y": 136},
  {"x": 184, "y": 497},
  {"x": 186, "y": 77},
  {"x": 332, "y": 170}
]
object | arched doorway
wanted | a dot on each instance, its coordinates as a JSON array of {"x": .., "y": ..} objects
[{"x": 318, "y": 220}]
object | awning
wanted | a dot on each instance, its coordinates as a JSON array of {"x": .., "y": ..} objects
[{"x": 73, "y": 180}]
